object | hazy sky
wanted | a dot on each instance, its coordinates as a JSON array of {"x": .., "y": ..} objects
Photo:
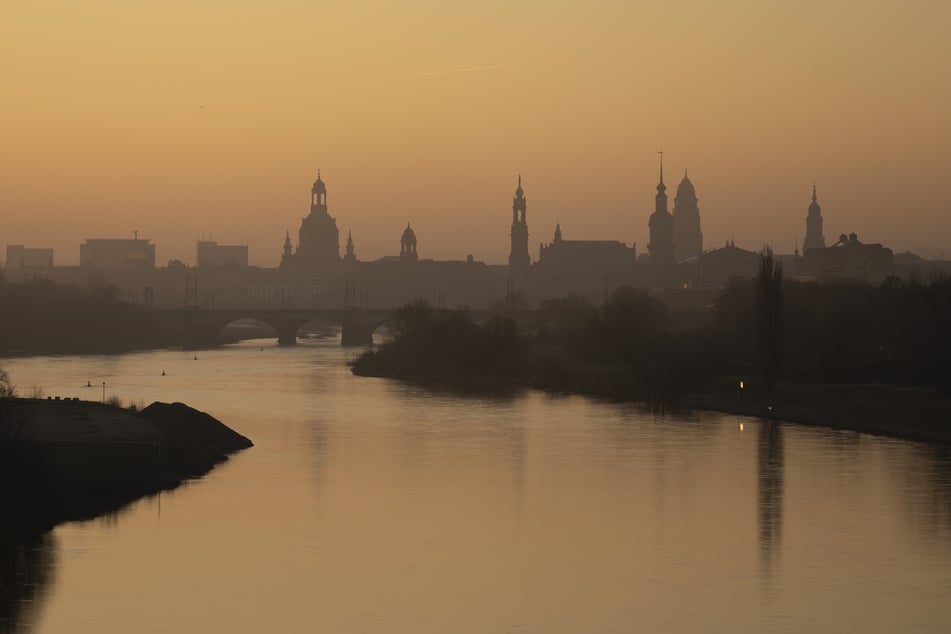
[{"x": 181, "y": 118}]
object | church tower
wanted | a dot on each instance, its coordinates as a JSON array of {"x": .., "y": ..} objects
[
  {"x": 814, "y": 239},
  {"x": 286, "y": 258},
  {"x": 519, "y": 260},
  {"x": 319, "y": 245},
  {"x": 408, "y": 245},
  {"x": 350, "y": 255},
  {"x": 688, "y": 240},
  {"x": 661, "y": 224}
]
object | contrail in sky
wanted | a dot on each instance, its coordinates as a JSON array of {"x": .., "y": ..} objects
[
  {"x": 432, "y": 73},
  {"x": 452, "y": 71}
]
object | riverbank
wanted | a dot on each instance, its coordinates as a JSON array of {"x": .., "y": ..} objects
[
  {"x": 74, "y": 460},
  {"x": 908, "y": 413}
]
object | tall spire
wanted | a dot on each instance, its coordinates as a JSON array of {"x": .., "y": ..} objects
[
  {"x": 519, "y": 259},
  {"x": 814, "y": 238},
  {"x": 660, "y": 200},
  {"x": 350, "y": 253},
  {"x": 661, "y": 224}
]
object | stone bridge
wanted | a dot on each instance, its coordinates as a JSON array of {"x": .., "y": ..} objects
[{"x": 200, "y": 328}]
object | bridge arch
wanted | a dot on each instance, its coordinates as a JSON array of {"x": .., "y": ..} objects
[{"x": 200, "y": 328}]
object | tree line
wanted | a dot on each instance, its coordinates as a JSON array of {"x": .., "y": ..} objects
[
  {"x": 768, "y": 327},
  {"x": 41, "y": 316}
]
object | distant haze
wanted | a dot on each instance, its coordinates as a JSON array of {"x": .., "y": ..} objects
[{"x": 182, "y": 119}]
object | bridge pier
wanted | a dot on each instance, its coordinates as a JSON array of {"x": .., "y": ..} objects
[
  {"x": 287, "y": 334},
  {"x": 357, "y": 333}
]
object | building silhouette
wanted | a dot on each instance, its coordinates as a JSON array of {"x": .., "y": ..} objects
[
  {"x": 350, "y": 254},
  {"x": 21, "y": 258},
  {"x": 315, "y": 275},
  {"x": 318, "y": 246},
  {"x": 814, "y": 239},
  {"x": 661, "y": 225},
  {"x": 718, "y": 266},
  {"x": 519, "y": 260},
  {"x": 209, "y": 253},
  {"x": 109, "y": 253},
  {"x": 408, "y": 245},
  {"x": 580, "y": 257},
  {"x": 688, "y": 239},
  {"x": 849, "y": 260}
]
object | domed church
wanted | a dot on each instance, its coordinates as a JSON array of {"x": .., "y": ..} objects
[{"x": 318, "y": 247}]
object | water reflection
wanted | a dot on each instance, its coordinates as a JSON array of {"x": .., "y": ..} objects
[
  {"x": 26, "y": 574},
  {"x": 481, "y": 427},
  {"x": 927, "y": 493},
  {"x": 372, "y": 505},
  {"x": 770, "y": 473}
]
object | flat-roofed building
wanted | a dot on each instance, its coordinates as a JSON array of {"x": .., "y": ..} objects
[
  {"x": 117, "y": 253},
  {"x": 214, "y": 255},
  {"x": 21, "y": 258}
]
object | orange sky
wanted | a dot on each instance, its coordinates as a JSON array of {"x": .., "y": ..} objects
[{"x": 180, "y": 119}]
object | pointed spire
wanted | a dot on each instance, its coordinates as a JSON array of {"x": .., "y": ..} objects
[
  {"x": 661, "y": 167},
  {"x": 813, "y": 191}
]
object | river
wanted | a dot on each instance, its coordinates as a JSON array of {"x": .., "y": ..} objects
[{"x": 368, "y": 505}]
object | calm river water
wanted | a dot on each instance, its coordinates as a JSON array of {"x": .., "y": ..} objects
[{"x": 371, "y": 506}]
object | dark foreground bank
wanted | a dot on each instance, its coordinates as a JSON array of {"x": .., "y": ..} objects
[{"x": 73, "y": 460}]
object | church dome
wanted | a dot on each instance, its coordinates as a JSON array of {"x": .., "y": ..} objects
[
  {"x": 408, "y": 234},
  {"x": 685, "y": 188}
]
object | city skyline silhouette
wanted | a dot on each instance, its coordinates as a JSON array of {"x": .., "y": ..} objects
[{"x": 180, "y": 123}]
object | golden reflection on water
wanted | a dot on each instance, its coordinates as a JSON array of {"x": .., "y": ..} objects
[{"x": 372, "y": 506}]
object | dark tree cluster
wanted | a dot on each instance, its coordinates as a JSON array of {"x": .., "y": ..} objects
[
  {"x": 770, "y": 327},
  {"x": 42, "y": 316},
  {"x": 626, "y": 347},
  {"x": 896, "y": 333},
  {"x": 436, "y": 342}
]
